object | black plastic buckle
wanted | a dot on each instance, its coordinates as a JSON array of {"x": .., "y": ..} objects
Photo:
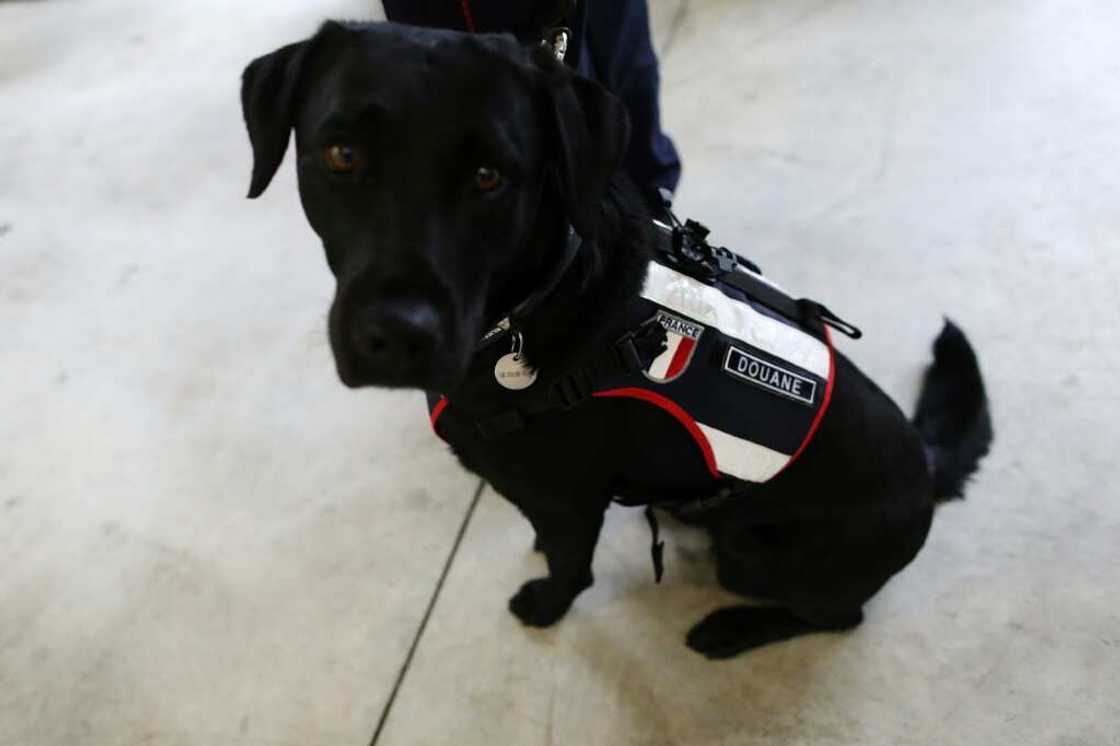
[
  {"x": 628, "y": 355},
  {"x": 691, "y": 247},
  {"x": 570, "y": 391},
  {"x": 636, "y": 350},
  {"x": 726, "y": 260},
  {"x": 696, "y": 230}
]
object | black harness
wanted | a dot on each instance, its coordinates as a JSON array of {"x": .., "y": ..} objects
[
  {"x": 651, "y": 361},
  {"x": 742, "y": 365},
  {"x": 682, "y": 248}
]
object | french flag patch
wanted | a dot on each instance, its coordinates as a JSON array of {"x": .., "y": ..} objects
[{"x": 682, "y": 337}]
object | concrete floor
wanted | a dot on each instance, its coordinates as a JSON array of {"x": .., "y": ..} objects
[{"x": 205, "y": 539}]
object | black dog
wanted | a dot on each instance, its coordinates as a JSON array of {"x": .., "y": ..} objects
[{"x": 442, "y": 171}]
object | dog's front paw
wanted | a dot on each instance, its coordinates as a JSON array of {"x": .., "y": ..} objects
[{"x": 540, "y": 603}]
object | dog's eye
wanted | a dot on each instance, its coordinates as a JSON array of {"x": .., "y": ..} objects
[
  {"x": 487, "y": 179},
  {"x": 340, "y": 158}
]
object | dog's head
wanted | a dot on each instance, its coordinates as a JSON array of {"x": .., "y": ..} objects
[{"x": 440, "y": 170}]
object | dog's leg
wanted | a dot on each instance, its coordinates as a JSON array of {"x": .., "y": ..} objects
[
  {"x": 735, "y": 629},
  {"x": 568, "y": 540},
  {"x": 743, "y": 565},
  {"x": 538, "y": 545},
  {"x": 819, "y": 572},
  {"x": 754, "y": 561}
]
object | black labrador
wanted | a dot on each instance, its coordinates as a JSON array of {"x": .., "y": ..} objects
[{"x": 441, "y": 171}]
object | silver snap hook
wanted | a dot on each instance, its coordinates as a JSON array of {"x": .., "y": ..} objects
[{"x": 557, "y": 40}]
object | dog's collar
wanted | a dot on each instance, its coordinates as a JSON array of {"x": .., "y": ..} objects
[{"x": 572, "y": 244}]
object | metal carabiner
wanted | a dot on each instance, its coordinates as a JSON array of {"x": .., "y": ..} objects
[{"x": 557, "y": 40}]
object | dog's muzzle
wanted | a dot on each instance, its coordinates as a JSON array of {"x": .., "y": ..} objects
[{"x": 393, "y": 342}]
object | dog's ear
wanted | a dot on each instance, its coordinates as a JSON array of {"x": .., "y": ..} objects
[
  {"x": 268, "y": 89},
  {"x": 592, "y": 131}
]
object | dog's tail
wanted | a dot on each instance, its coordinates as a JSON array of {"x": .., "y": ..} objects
[{"x": 952, "y": 415}]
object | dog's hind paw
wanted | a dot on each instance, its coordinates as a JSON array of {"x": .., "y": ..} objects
[
  {"x": 540, "y": 603},
  {"x": 727, "y": 632}
]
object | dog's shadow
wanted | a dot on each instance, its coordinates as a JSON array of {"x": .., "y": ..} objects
[{"x": 618, "y": 659}]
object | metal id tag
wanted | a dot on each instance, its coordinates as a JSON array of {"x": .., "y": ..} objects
[{"x": 511, "y": 372}]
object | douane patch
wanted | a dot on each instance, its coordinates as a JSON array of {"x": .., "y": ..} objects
[{"x": 767, "y": 375}]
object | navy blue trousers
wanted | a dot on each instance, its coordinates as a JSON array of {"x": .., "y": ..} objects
[{"x": 610, "y": 43}]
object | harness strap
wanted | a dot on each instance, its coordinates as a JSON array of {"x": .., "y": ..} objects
[{"x": 630, "y": 353}]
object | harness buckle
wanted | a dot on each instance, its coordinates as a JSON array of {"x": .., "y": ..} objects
[
  {"x": 636, "y": 350},
  {"x": 571, "y": 390},
  {"x": 726, "y": 260},
  {"x": 628, "y": 354},
  {"x": 691, "y": 248}
]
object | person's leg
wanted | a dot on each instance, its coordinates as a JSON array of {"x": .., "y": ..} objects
[
  {"x": 434, "y": 13},
  {"x": 612, "y": 44},
  {"x": 525, "y": 19}
]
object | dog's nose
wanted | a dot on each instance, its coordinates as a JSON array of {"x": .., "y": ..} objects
[{"x": 395, "y": 329}]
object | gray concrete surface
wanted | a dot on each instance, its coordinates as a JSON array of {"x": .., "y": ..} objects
[{"x": 204, "y": 539}]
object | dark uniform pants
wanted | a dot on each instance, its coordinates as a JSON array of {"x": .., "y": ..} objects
[{"x": 611, "y": 43}]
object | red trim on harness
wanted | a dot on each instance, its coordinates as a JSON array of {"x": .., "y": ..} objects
[
  {"x": 824, "y": 405},
  {"x": 468, "y": 17},
  {"x": 437, "y": 410},
  {"x": 674, "y": 409}
]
